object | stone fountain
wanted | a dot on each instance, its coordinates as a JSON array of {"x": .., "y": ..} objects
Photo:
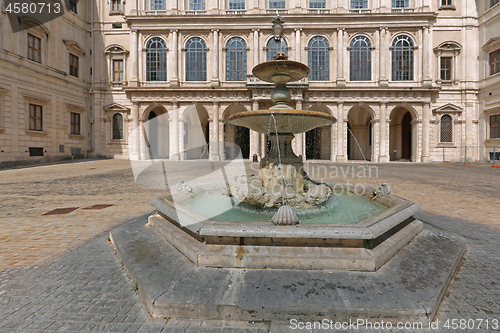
[{"x": 258, "y": 264}]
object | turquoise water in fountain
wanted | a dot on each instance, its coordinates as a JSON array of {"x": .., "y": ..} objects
[{"x": 339, "y": 209}]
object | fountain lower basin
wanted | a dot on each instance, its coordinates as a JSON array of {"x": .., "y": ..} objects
[{"x": 365, "y": 245}]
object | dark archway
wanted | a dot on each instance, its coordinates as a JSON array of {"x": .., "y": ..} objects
[{"x": 406, "y": 136}]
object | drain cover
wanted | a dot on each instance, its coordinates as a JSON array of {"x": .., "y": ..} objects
[
  {"x": 98, "y": 206},
  {"x": 61, "y": 211}
]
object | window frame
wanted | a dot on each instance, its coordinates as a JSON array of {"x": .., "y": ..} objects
[
  {"x": 74, "y": 70},
  {"x": 319, "y": 4},
  {"x": 354, "y": 4},
  {"x": 196, "y": 60},
  {"x": 159, "y": 61},
  {"x": 494, "y": 65},
  {"x": 197, "y": 5},
  {"x": 34, "y": 49},
  {"x": 495, "y": 129},
  {"x": 274, "y": 2},
  {"x": 494, "y": 2},
  {"x": 236, "y": 5},
  {"x": 446, "y": 131},
  {"x": 73, "y": 6},
  {"x": 75, "y": 126},
  {"x": 411, "y": 59},
  {"x": 117, "y": 130},
  {"x": 406, "y": 3},
  {"x": 34, "y": 117},
  {"x": 315, "y": 73},
  {"x": 119, "y": 71},
  {"x": 236, "y": 69},
  {"x": 118, "y": 10},
  {"x": 270, "y": 56},
  {"x": 447, "y": 71},
  {"x": 352, "y": 51}
]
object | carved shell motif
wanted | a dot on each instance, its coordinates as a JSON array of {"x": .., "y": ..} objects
[{"x": 285, "y": 216}]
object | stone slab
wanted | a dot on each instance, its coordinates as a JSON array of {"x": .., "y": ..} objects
[{"x": 408, "y": 287}]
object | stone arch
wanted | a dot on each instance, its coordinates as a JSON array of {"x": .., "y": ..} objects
[
  {"x": 360, "y": 125},
  {"x": 196, "y": 132},
  {"x": 156, "y": 129},
  {"x": 319, "y": 140},
  {"x": 403, "y": 134},
  {"x": 236, "y": 138}
]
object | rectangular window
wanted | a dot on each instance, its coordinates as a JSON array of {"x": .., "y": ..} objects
[
  {"x": 317, "y": 4},
  {"x": 36, "y": 118},
  {"x": 196, "y": 4},
  {"x": 236, "y": 4},
  {"x": 446, "y": 68},
  {"x": 75, "y": 123},
  {"x": 277, "y": 4},
  {"x": 493, "y": 2},
  {"x": 446, "y": 2},
  {"x": 495, "y": 62},
  {"x": 400, "y": 4},
  {"x": 116, "y": 5},
  {"x": 71, "y": 4},
  {"x": 36, "y": 151},
  {"x": 495, "y": 127},
  {"x": 359, "y": 4},
  {"x": 73, "y": 65},
  {"x": 117, "y": 70},
  {"x": 34, "y": 48}
]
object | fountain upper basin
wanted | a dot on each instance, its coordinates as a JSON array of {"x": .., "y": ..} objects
[
  {"x": 288, "y": 121},
  {"x": 280, "y": 71}
]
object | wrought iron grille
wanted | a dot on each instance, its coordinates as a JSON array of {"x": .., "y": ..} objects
[
  {"x": 156, "y": 60},
  {"x": 196, "y": 60},
  {"x": 318, "y": 56},
  {"x": 117, "y": 126},
  {"x": 446, "y": 129},
  {"x": 236, "y": 59},
  {"x": 402, "y": 59},
  {"x": 360, "y": 59}
]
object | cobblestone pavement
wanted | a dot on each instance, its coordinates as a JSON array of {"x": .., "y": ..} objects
[{"x": 58, "y": 273}]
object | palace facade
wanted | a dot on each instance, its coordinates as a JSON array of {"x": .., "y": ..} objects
[{"x": 415, "y": 80}]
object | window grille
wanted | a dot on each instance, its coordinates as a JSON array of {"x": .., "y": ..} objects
[
  {"x": 196, "y": 60},
  {"x": 117, "y": 126},
  {"x": 446, "y": 129},
  {"x": 196, "y": 4},
  {"x": 495, "y": 127},
  {"x": 400, "y": 4},
  {"x": 360, "y": 59},
  {"x": 157, "y": 5},
  {"x": 156, "y": 60},
  {"x": 402, "y": 59},
  {"x": 236, "y": 59},
  {"x": 313, "y": 4},
  {"x": 277, "y": 4},
  {"x": 236, "y": 4},
  {"x": 318, "y": 57}
]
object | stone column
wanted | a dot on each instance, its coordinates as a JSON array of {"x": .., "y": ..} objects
[
  {"x": 174, "y": 81},
  {"x": 137, "y": 137},
  {"x": 214, "y": 146},
  {"x": 254, "y": 136},
  {"x": 135, "y": 63},
  {"x": 299, "y": 138},
  {"x": 425, "y": 55},
  {"x": 255, "y": 47},
  {"x": 297, "y": 45},
  {"x": 215, "y": 73},
  {"x": 384, "y": 140},
  {"x": 341, "y": 133},
  {"x": 340, "y": 58},
  {"x": 383, "y": 75},
  {"x": 425, "y": 132},
  {"x": 174, "y": 147}
]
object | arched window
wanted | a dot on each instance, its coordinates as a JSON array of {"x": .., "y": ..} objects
[
  {"x": 274, "y": 46},
  {"x": 196, "y": 60},
  {"x": 236, "y": 59},
  {"x": 157, "y": 5},
  {"x": 402, "y": 59},
  {"x": 446, "y": 129},
  {"x": 117, "y": 126},
  {"x": 318, "y": 57},
  {"x": 156, "y": 60},
  {"x": 360, "y": 59}
]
